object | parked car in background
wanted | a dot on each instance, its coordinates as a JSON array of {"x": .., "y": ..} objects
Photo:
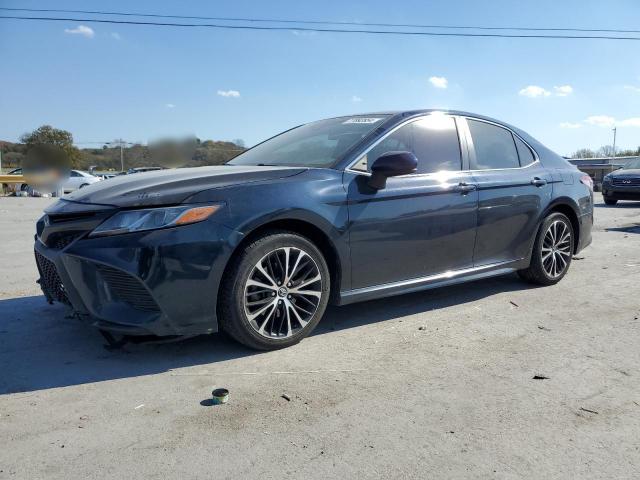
[
  {"x": 622, "y": 184},
  {"x": 340, "y": 210},
  {"x": 77, "y": 179}
]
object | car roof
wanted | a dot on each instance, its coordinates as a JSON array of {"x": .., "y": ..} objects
[{"x": 423, "y": 111}]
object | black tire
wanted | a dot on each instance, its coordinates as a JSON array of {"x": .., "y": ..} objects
[
  {"x": 234, "y": 318},
  {"x": 609, "y": 200},
  {"x": 537, "y": 272},
  {"x": 83, "y": 185}
]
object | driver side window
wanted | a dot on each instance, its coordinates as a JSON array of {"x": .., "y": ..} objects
[{"x": 433, "y": 139}]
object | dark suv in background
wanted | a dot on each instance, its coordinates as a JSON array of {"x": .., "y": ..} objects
[
  {"x": 622, "y": 184},
  {"x": 340, "y": 210}
]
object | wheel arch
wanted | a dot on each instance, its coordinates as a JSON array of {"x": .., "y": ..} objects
[
  {"x": 566, "y": 206},
  {"x": 303, "y": 227}
]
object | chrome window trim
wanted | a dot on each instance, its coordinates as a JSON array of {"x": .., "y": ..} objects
[{"x": 465, "y": 117}]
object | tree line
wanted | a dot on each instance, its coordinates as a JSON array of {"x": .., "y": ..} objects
[{"x": 605, "y": 151}]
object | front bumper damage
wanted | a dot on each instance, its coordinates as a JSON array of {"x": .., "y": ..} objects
[{"x": 158, "y": 282}]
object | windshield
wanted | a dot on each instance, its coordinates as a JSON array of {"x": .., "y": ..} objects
[
  {"x": 317, "y": 144},
  {"x": 633, "y": 164}
]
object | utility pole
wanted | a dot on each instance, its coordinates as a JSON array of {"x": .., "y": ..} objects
[
  {"x": 119, "y": 143},
  {"x": 122, "y": 155},
  {"x": 614, "y": 143}
]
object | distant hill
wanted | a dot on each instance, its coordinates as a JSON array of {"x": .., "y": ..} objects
[{"x": 199, "y": 153}]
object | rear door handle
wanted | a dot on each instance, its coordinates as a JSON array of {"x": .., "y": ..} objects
[
  {"x": 538, "y": 182},
  {"x": 465, "y": 188}
]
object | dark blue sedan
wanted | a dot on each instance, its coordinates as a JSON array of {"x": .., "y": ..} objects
[{"x": 340, "y": 210}]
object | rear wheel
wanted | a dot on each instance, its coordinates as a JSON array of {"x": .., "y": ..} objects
[
  {"x": 275, "y": 292},
  {"x": 609, "y": 200},
  {"x": 552, "y": 251}
]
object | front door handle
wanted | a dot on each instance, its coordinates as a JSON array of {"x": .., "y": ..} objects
[
  {"x": 465, "y": 188},
  {"x": 538, "y": 182}
]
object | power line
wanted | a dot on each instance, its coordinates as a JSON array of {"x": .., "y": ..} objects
[
  {"x": 319, "y": 22},
  {"x": 322, "y": 30}
]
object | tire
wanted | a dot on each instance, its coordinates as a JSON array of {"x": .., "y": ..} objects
[
  {"x": 546, "y": 270},
  {"x": 609, "y": 200},
  {"x": 83, "y": 185},
  {"x": 261, "y": 311}
]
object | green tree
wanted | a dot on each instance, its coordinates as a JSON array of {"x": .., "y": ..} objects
[{"x": 52, "y": 138}]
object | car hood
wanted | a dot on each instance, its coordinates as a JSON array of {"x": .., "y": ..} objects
[
  {"x": 630, "y": 172},
  {"x": 166, "y": 187}
]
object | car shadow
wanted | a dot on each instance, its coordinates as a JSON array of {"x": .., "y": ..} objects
[
  {"x": 620, "y": 204},
  {"x": 632, "y": 228},
  {"x": 42, "y": 347}
]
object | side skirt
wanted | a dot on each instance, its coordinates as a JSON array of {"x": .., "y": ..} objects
[{"x": 433, "y": 281}]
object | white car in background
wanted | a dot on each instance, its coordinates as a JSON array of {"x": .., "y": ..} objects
[{"x": 77, "y": 179}]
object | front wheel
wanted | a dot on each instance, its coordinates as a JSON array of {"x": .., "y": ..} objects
[
  {"x": 275, "y": 292},
  {"x": 609, "y": 200},
  {"x": 552, "y": 251}
]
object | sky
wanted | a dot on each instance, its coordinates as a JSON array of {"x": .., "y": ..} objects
[{"x": 103, "y": 81}]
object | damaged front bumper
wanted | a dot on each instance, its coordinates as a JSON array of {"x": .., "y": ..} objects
[{"x": 158, "y": 282}]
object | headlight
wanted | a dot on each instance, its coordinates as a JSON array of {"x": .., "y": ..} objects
[
  {"x": 153, "y": 218},
  {"x": 607, "y": 178}
]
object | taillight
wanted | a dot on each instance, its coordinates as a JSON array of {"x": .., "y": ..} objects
[{"x": 587, "y": 180}]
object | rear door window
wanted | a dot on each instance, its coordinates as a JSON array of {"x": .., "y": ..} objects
[{"x": 494, "y": 146}]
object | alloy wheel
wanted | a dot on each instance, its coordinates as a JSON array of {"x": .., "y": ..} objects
[
  {"x": 556, "y": 249},
  {"x": 282, "y": 292}
]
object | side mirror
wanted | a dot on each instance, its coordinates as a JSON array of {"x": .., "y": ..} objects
[{"x": 391, "y": 164}]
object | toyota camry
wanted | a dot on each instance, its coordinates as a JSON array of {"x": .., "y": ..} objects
[{"x": 336, "y": 211}]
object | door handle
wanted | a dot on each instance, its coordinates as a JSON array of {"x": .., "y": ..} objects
[
  {"x": 538, "y": 182},
  {"x": 465, "y": 188}
]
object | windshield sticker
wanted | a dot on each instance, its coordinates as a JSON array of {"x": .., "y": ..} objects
[{"x": 365, "y": 120}]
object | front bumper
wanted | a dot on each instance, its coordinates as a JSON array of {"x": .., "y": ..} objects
[
  {"x": 159, "y": 282},
  {"x": 620, "y": 192}
]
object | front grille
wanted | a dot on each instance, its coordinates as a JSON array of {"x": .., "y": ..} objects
[
  {"x": 60, "y": 240},
  {"x": 626, "y": 181},
  {"x": 69, "y": 217},
  {"x": 128, "y": 289},
  {"x": 50, "y": 280}
]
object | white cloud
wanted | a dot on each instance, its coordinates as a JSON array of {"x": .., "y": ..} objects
[
  {"x": 229, "y": 93},
  {"x": 600, "y": 120},
  {"x": 563, "y": 90},
  {"x": 570, "y": 125},
  {"x": 629, "y": 122},
  {"x": 534, "y": 91},
  {"x": 439, "y": 82},
  {"x": 633, "y": 88},
  {"x": 170, "y": 105},
  {"x": 81, "y": 30},
  {"x": 116, "y": 35},
  {"x": 356, "y": 99}
]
